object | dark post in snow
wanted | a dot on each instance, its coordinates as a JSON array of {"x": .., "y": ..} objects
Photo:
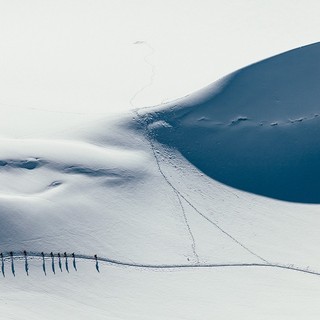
[
  {"x": 26, "y": 266},
  {"x": 12, "y": 264},
  {"x": 97, "y": 264}
]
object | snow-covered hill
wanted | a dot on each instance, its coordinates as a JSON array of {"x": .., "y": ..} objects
[
  {"x": 257, "y": 129},
  {"x": 186, "y": 199}
]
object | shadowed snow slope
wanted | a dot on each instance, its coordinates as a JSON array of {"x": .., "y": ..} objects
[{"x": 257, "y": 129}]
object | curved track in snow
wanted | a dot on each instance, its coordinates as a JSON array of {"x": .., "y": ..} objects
[
  {"x": 135, "y": 111},
  {"x": 38, "y": 255},
  {"x": 180, "y": 196}
]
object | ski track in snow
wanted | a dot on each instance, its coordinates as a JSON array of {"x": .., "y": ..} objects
[
  {"x": 146, "y": 60},
  {"x": 175, "y": 190},
  {"x": 180, "y": 195},
  {"x": 152, "y": 67},
  {"x": 203, "y": 215},
  {"x": 189, "y": 229},
  {"x": 177, "y": 193},
  {"x": 7, "y": 257}
]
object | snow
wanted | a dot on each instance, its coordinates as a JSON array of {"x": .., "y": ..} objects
[
  {"x": 234, "y": 123},
  {"x": 80, "y": 56},
  {"x": 123, "y": 293},
  {"x": 203, "y": 207}
]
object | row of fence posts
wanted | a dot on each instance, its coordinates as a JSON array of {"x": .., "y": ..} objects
[{"x": 52, "y": 256}]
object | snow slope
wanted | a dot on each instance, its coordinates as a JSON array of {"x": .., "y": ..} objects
[
  {"x": 166, "y": 194},
  {"x": 256, "y": 129}
]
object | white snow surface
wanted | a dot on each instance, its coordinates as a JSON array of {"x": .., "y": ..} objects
[
  {"x": 170, "y": 186},
  {"x": 83, "y": 56}
]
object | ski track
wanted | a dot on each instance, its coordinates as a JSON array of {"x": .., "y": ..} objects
[
  {"x": 185, "y": 218},
  {"x": 42, "y": 257},
  {"x": 189, "y": 229},
  {"x": 201, "y": 214},
  {"x": 179, "y": 194},
  {"x": 153, "y": 72},
  {"x": 223, "y": 231}
]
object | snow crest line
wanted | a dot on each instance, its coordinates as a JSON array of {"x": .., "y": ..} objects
[{"x": 42, "y": 256}]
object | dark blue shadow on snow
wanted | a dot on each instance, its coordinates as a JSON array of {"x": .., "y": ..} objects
[{"x": 260, "y": 133}]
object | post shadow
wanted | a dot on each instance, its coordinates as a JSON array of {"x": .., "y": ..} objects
[
  {"x": 43, "y": 264},
  {"x": 67, "y": 265},
  {"x": 97, "y": 263},
  {"x": 12, "y": 264},
  {"x": 2, "y": 265},
  {"x": 59, "y": 262},
  {"x": 74, "y": 262},
  {"x": 26, "y": 265},
  {"x": 52, "y": 263}
]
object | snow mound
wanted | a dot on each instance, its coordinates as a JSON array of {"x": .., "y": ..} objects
[{"x": 257, "y": 129}]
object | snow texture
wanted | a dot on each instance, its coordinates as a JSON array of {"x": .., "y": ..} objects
[
  {"x": 203, "y": 208},
  {"x": 257, "y": 129}
]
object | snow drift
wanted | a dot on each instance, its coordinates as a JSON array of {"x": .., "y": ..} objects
[{"x": 257, "y": 129}]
